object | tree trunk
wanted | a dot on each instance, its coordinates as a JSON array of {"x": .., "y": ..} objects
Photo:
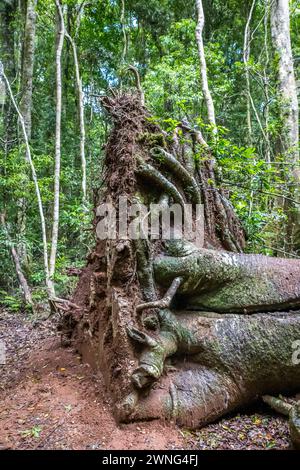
[
  {"x": 25, "y": 104},
  {"x": 203, "y": 68},
  {"x": 289, "y": 138},
  {"x": 81, "y": 119},
  {"x": 55, "y": 222},
  {"x": 266, "y": 82},
  {"x": 34, "y": 176},
  {"x": 125, "y": 45},
  {"x": 246, "y": 56},
  {"x": 21, "y": 278},
  {"x": 27, "y": 65},
  {"x": 221, "y": 362},
  {"x": 7, "y": 48},
  {"x": 280, "y": 30}
]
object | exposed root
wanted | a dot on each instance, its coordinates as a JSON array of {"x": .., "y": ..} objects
[
  {"x": 149, "y": 172},
  {"x": 152, "y": 359},
  {"x": 278, "y": 405},
  {"x": 290, "y": 410},
  {"x": 145, "y": 270},
  {"x": 186, "y": 180},
  {"x": 165, "y": 302}
]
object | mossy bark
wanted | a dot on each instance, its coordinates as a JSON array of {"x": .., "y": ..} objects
[
  {"x": 221, "y": 363},
  {"x": 228, "y": 282}
]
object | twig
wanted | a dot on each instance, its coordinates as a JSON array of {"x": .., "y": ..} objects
[
  {"x": 262, "y": 192},
  {"x": 49, "y": 434},
  {"x": 281, "y": 251}
]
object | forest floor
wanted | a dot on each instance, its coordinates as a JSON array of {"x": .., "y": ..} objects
[{"x": 51, "y": 400}]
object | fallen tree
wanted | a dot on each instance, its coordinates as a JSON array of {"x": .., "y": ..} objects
[{"x": 166, "y": 321}]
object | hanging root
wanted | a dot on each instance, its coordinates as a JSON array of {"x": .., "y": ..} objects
[
  {"x": 187, "y": 181},
  {"x": 149, "y": 172},
  {"x": 136, "y": 74}
]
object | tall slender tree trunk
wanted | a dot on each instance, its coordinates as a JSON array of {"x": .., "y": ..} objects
[
  {"x": 27, "y": 65},
  {"x": 280, "y": 31},
  {"x": 8, "y": 14},
  {"x": 34, "y": 176},
  {"x": 249, "y": 101},
  {"x": 59, "y": 47},
  {"x": 7, "y": 49},
  {"x": 25, "y": 104},
  {"x": 266, "y": 82},
  {"x": 203, "y": 68},
  {"x": 21, "y": 278},
  {"x": 125, "y": 45},
  {"x": 246, "y": 57},
  {"x": 81, "y": 118}
]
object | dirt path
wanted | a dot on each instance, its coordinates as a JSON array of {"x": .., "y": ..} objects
[{"x": 50, "y": 400}]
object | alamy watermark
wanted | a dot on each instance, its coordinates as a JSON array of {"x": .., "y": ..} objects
[{"x": 136, "y": 220}]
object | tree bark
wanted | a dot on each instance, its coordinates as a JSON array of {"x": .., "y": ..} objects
[
  {"x": 122, "y": 20},
  {"x": 21, "y": 278},
  {"x": 266, "y": 82},
  {"x": 246, "y": 56},
  {"x": 228, "y": 282},
  {"x": 280, "y": 30},
  {"x": 27, "y": 65},
  {"x": 81, "y": 118},
  {"x": 203, "y": 67},
  {"x": 25, "y": 104},
  {"x": 55, "y": 222},
  {"x": 289, "y": 109},
  {"x": 7, "y": 48},
  {"x": 221, "y": 363}
]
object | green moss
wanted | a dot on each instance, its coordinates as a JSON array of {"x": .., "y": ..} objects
[{"x": 152, "y": 139}]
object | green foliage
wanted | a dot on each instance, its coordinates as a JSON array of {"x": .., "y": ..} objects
[
  {"x": 161, "y": 44},
  {"x": 11, "y": 303},
  {"x": 34, "y": 432}
]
